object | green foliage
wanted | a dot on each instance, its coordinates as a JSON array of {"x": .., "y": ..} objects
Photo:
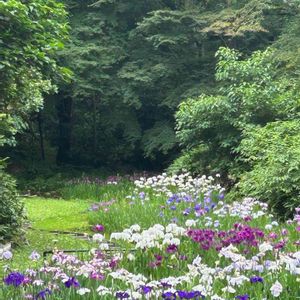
[
  {"x": 34, "y": 31},
  {"x": 96, "y": 192},
  {"x": 11, "y": 209},
  {"x": 287, "y": 47},
  {"x": 45, "y": 186},
  {"x": 134, "y": 62},
  {"x": 238, "y": 133},
  {"x": 7, "y": 130},
  {"x": 159, "y": 138},
  {"x": 273, "y": 153},
  {"x": 250, "y": 94}
]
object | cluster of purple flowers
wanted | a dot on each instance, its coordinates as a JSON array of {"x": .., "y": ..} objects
[
  {"x": 256, "y": 279},
  {"x": 122, "y": 295},
  {"x": 242, "y": 297},
  {"x": 171, "y": 248},
  {"x": 113, "y": 263},
  {"x": 146, "y": 289},
  {"x": 240, "y": 234},
  {"x": 188, "y": 205},
  {"x": 183, "y": 295},
  {"x": 157, "y": 262},
  {"x": 43, "y": 294},
  {"x": 14, "y": 278},
  {"x": 280, "y": 244}
]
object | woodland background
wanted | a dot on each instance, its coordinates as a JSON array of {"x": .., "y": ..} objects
[{"x": 120, "y": 86}]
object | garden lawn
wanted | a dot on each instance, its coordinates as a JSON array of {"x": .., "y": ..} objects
[
  {"x": 46, "y": 215},
  {"x": 58, "y": 214}
]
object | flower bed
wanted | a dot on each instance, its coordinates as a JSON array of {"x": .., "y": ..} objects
[{"x": 202, "y": 248}]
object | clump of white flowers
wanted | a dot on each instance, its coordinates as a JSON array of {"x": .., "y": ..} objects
[
  {"x": 183, "y": 183},
  {"x": 153, "y": 237}
]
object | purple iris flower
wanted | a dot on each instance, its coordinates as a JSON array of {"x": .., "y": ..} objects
[
  {"x": 158, "y": 257},
  {"x": 170, "y": 200},
  {"x": 113, "y": 263},
  {"x": 43, "y": 294},
  {"x": 197, "y": 206},
  {"x": 99, "y": 228},
  {"x": 255, "y": 279},
  {"x": 190, "y": 295},
  {"x": 172, "y": 248},
  {"x": 207, "y": 200},
  {"x": 166, "y": 285},
  {"x": 186, "y": 211},
  {"x": 187, "y": 198},
  {"x": 206, "y": 208},
  {"x": 14, "y": 278},
  {"x": 71, "y": 282},
  {"x": 221, "y": 196},
  {"x": 243, "y": 297},
  {"x": 146, "y": 289},
  {"x": 122, "y": 295},
  {"x": 267, "y": 263},
  {"x": 169, "y": 296}
]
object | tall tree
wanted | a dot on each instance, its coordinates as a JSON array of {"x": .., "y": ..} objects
[{"x": 30, "y": 34}]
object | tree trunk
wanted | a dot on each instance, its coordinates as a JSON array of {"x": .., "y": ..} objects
[
  {"x": 41, "y": 134},
  {"x": 95, "y": 142},
  {"x": 64, "y": 112}
]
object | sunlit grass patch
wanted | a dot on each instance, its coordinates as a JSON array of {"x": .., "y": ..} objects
[{"x": 57, "y": 214}]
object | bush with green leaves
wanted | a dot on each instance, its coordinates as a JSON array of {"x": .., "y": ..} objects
[
  {"x": 35, "y": 31},
  {"x": 273, "y": 152},
  {"x": 11, "y": 209},
  {"x": 250, "y": 93}
]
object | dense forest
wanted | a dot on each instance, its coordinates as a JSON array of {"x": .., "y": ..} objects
[{"x": 128, "y": 65}]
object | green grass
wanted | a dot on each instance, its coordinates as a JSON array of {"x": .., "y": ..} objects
[
  {"x": 58, "y": 214},
  {"x": 47, "y": 215}
]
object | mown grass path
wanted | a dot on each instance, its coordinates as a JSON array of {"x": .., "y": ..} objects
[
  {"x": 46, "y": 215},
  {"x": 58, "y": 214}
]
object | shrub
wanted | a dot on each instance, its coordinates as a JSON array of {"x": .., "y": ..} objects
[
  {"x": 11, "y": 209},
  {"x": 251, "y": 93},
  {"x": 273, "y": 152}
]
